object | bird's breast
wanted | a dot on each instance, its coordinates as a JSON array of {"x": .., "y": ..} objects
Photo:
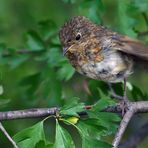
[{"x": 109, "y": 66}]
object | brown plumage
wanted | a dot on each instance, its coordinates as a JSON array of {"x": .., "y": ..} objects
[{"x": 98, "y": 52}]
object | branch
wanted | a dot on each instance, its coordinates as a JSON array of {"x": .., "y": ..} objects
[
  {"x": 128, "y": 115},
  {"x": 8, "y": 136},
  {"x": 133, "y": 107},
  {"x": 136, "y": 138},
  {"x": 142, "y": 107},
  {"x": 28, "y": 113},
  {"x": 44, "y": 112},
  {"x": 21, "y": 52},
  {"x": 140, "y": 34}
]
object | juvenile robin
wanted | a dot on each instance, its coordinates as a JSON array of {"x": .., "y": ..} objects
[{"x": 98, "y": 52}]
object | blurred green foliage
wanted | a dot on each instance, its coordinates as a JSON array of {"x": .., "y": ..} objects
[{"x": 34, "y": 73}]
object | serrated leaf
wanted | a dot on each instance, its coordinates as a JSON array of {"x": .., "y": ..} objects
[
  {"x": 72, "y": 108},
  {"x": 47, "y": 29},
  {"x": 50, "y": 87},
  {"x": 102, "y": 104},
  {"x": 90, "y": 127},
  {"x": 34, "y": 42},
  {"x": 141, "y": 5},
  {"x": 66, "y": 71},
  {"x": 54, "y": 57},
  {"x": 42, "y": 144},
  {"x": 29, "y": 137},
  {"x": 95, "y": 87},
  {"x": 108, "y": 120},
  {"x": 92, "y": 10},
  {"x": 138, "y": 93},
  {"x": 63, "y": 138},
  {"x": 126, "y": 22},
  {"x": 88, "y": 142}
]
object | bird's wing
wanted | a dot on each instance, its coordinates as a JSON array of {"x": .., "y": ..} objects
[{"x": 132, "y": 47}]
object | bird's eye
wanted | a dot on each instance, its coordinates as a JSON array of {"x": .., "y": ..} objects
[{"x": 78, "y": 36}]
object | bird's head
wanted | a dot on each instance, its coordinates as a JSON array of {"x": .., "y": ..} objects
[{"x": 75, "y": 33}]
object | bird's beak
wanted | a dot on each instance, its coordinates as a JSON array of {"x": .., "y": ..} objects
[{"x": 65, "y": 51}]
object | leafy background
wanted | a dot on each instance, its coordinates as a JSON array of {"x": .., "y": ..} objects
[{"x": 42, "y": 77}]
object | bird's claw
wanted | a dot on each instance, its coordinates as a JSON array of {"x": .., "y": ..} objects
[{"x": 124, "y": 106}]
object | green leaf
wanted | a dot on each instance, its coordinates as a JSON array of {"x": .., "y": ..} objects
[
  {"x": 34, "y": 42},
  {"x": 17, "y": 60},
  {"x": 52, "y": 54},
  {"x": 42, "y": 144},
  {"x": 31, "y": 83},
  {"x": 72, "y": 108},
  {"x": 63, "y": 138},
  {"x": 96, "y": 87},
  {"x": 102, "y": 104},
  {"x": 91, "y": 127},
  {"x": 66, "y": 71},
  {"x": 47, "y": 29},
  {"x": 29, "y": 137},
  {"x": 92, "y": 9},
  {"x": 88, "y": 142},
  {"x": 138, "y": 93},
  {"x": 107, "y": 120},
  {"x": 141, "y": 5},
  {"x": 50, "y": 87},
  {"x": 126, "y": 22}
]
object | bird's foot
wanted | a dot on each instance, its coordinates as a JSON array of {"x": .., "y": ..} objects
[{"x": 124, "y": 105}]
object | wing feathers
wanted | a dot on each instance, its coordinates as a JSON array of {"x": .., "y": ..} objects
[{"x": 133, "y": 47}]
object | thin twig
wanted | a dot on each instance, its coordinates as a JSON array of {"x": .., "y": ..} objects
[
  {"x": 142, "y": 107},
  {"x": 7, "y": 135},
  {"x": 21, "y": 52},
  {"x": 128, "y": 115},
  {"x": 140, "y": 34},
  {"x": 133, "y": 107}
]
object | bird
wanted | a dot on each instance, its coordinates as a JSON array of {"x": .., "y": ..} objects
[{"x": 100, "y": 53}]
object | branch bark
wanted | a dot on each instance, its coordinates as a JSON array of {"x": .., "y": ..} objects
[
  {"x": 128, "y": 115},
  {"x": 141, "y": 107},
  {"x": 28, "y": 113},
  {"x": 21, "y": 52},
  {"x": 133, "y": 107}
]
